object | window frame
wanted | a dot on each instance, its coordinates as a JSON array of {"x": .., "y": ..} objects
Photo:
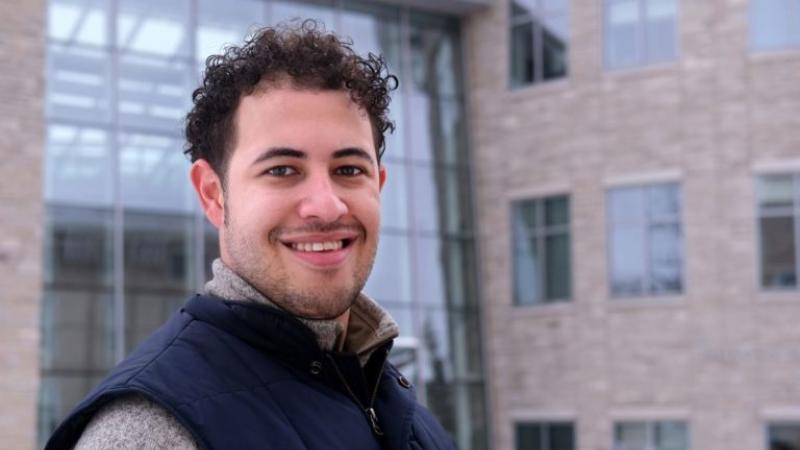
[
  {"x": 536, "y": 20},
  {"x": 645, "y": 225},
  {"x": 541, "y": 232},
  {"x": 544, "y": 427},
  {"x": 650, "y": 425},
  {"x": 794, "y": 213},
  {"x": 642, "y": 58}
]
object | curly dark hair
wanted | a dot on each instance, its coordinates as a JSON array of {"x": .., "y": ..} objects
[{"x": 306, "y": 55}]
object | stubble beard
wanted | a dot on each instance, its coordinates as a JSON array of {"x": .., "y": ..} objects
[{"x": 326, "y": 302}]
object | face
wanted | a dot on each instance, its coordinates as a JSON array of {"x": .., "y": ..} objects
[{"x": 300, "y": 216}]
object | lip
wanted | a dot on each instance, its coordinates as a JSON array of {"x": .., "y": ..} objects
[{"x": 326, "y": 260}]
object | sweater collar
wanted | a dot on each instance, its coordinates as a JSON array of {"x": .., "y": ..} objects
[{"x": 370, "y": 326}]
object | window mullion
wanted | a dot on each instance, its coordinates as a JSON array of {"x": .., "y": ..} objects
[
  {"x": 796, "y": 219},
  {"x": 538, "y": 72}
]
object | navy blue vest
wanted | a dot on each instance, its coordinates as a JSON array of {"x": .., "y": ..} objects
[{"x": 246, "y": 376}]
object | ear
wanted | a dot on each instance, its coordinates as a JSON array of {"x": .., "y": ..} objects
[
  {"x": 208, "y": 187},
  {"x": 381, "y": 176}
]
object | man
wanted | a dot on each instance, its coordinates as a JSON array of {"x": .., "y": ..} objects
[{"x": 282, "y": 350}]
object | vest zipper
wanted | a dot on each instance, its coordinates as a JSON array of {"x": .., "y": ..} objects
[{"x": 372, "y": 417}]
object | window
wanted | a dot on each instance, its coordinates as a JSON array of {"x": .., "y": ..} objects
[
  {"x": 645, "y": 240},
  {"x": 778, "y": 211},
  {"x": 541, "y": 250},
  {"x": 774, "y": 24},
  {"x": 539, "y": 35},
  {"x": 661, "y": 435},
  {"x": 784, "y": 436},
  {"x": 640, "y": 32},
  {"x": 545, "y": 436}
]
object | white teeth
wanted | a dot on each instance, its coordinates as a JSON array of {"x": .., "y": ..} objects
[{"x": 317, "y": 246}]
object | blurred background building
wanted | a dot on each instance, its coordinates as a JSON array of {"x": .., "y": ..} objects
[{"x": 589, "y": 229}]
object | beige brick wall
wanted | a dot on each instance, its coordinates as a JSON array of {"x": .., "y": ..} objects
[
  {"x": 723, "y": 355},
  {"x": 21, "y": 150}
]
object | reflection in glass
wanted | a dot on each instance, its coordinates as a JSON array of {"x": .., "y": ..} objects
[
  {"x": 442, "y": 265},
  {"x": 661, "y": 30},
  {"x": 77, "y": 22},
  {"x": 775, "y": 192},
  {"x": 557, "y": 261},
  {"x": 390, "y": 278},
  {"x": 774, "y": 24},
  {"x": 441, "y": 199},
  {"x": 665, "y": 259},
  {"x": 622, "y": 33},
  {"x": 219, "y": 24},
  {"x": 373, "y": 29},
  {"x": 554, "y": 48},
  {"x": 78, "y": 87},
  {"x": 153, "y": 93},
  {"x": 78, "y": 167},
  {"x": 151, "y": 174},
  {"x": 784, "y": 436},
  {"x": 394, "y": 197},
  {"x": 778, "y": 258},
  {"x": 627, "y": 258},
  {"x": 286, "y": 11},
  {"x": 435, "y": 56},
  {"x": 526, "y": 270},
  {"x": 158, "y": 271},
  {"x": 671, "y": 435},
  {"x": 523, "y": 62},
  {"x": 154, "y": 28},
  {"x": 631, "y": 436}
]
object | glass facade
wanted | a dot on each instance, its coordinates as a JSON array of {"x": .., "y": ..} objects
[{"x": 126, "y": 242}]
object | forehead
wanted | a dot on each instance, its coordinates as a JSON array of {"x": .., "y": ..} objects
[{"x": 291, "y": 114}]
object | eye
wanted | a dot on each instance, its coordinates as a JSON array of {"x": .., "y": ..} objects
[
  {"x": 349, "y": 171},
  {"x": 281, "y": 171}
]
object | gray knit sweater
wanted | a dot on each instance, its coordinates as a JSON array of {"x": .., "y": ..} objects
[{"x": 135, "y": 422}]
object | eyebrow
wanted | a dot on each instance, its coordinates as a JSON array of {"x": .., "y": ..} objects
[
  {"x": 278, "y": 152},
  {"x": 353, "y": 151}
]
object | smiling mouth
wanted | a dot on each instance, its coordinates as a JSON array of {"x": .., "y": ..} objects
[{"x": 319, "y": 247}]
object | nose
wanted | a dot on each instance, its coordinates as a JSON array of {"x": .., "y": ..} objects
[{"x": 321, "y": 201}]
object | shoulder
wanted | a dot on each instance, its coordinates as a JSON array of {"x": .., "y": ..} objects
[{"x": 134, "y": 422}]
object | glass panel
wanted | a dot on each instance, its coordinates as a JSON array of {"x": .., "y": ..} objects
[
  {"x": 158, "y": 271},
  {"x": 555, "y": 37},
  {"x": 772, "y": 25},
  {"x": 390, "y": 280},
  {"x": 284, "y": 11},
  {"x": 661, "y": 31},
  {"x": 529, "y": 436},
  {"x": 622, "y": 34},
  {"x": 78, "y": 246},
  {"x": 526, "y": 272},
  {"x": 665, "y": 259},
  {"x": 440, "y": 271},
  {"x": 557, "y": 252},
  {"x": 523, "y": 9},
  {"x": 78, "y": 22},
  {"x": 153, "y": 174},
  {"x": 78, "y": 167},
  {"x": 224, "y": 23},
  {"x": 524, "y": 216},
  {"x": 562, "y": 436},
  {"x": 440, "y": 199},
  {"x": 435, "y": 56},
  {"x": 784, "y": 436},
  {"x": 631, "y": 436},
  {"x": 154, "y": 94},
  {"x": 373, "y": 29},
  {"x": 775, "y": 192},
  {"x": 394, "y": 197},
  {"x": 627, "y": 260},
  {"x": 437, "y": 132},
  {"x": 671, "y": 436},
  {"x": 154, "y": 27},
  {"x": 664, "y": 202},
  {"x": 556, "y": 211},
  {"x": 626, "y": 205},
  {"x": 778, "y": 258},
  {"x": 77, "y": 84},
  {"x": 522, "y": 56}
]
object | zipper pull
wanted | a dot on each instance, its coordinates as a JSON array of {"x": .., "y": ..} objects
[{"x": 373, "y": 420}]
